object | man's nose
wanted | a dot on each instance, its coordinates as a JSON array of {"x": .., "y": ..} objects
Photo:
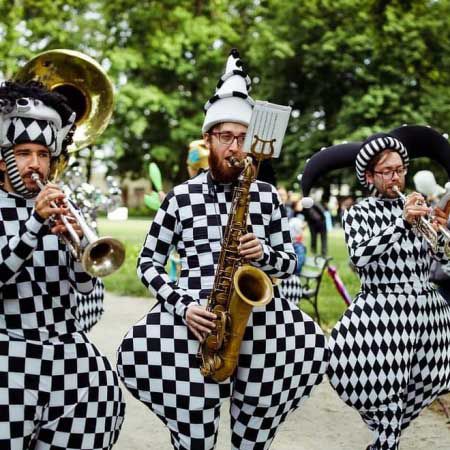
[
  {"x": 34, "y": 160},
  {"x": 234, "y": 145}
]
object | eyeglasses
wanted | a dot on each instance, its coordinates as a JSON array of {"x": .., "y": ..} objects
[
  {"x": 227, "y": 138},
  {"x": 389, "y": 174}
]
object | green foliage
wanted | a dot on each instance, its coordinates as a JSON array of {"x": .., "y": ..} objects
[{"x": 347, "y": 67}]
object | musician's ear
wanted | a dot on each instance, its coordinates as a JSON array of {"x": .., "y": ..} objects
[
  {"x": 369, "y": 177},
  {"x": 207, "y": 140}
]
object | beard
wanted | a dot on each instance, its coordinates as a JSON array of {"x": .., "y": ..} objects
[
  {"x": 220, "y": 169},
  {"x": 386, "y": 188}
]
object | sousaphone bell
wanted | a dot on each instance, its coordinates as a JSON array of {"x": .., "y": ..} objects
[{"x": 89, "y": 92}]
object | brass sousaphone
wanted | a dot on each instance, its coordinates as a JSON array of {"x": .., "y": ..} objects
[{"x": 89, "y": 92}]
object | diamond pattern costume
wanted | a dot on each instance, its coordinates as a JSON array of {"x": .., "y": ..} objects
[
  {"x": 90, "y": 306},
  {"x": 291, "y": 289},
  {"x": 283, "y": 354},
  {"x": 56, "y": 389},
  {"x": 390, "y": 352}
]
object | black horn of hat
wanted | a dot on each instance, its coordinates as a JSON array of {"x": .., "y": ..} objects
[
  {"x": 326, "y": 160},
  {"x": 419, "y": 140},
  {"x": 423, "y": 141}
]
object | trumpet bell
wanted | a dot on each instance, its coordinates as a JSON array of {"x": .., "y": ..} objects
[
  {"x": 103, "y": 256},
  {"x": 84, "y": 83}
]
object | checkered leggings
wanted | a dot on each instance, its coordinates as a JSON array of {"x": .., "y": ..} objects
[
  {"x": 61, "y": 395},
  {"x": 390, "y": 358},
  {"x": 283, "y": 356}
]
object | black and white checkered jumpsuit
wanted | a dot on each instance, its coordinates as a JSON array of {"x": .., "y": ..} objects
[
  {"x": 283, "y": 354},
  {"x": 390, "y": 352},
  {"x": 57, "y": 391}
]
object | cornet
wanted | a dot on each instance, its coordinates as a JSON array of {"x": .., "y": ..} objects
[
  {"x": 424, "y": 227},
  {"x": 102, "y": 256}
]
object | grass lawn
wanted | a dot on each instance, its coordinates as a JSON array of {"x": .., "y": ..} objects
[{"x": 132, "y": 233}]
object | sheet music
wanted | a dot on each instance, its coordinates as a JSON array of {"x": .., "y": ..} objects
[{"x": 269, "y": 123}]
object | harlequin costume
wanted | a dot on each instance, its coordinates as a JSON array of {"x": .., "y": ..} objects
[{"x": 390, "y": 351}]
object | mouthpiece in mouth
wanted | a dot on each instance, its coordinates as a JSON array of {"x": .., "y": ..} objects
[{"x": 234, "y": 162}]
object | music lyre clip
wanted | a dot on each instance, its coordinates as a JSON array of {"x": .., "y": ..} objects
[{"x": 266, "y": 130}]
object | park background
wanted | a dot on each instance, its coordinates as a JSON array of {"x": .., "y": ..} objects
[{"x": 347, "y": 68}]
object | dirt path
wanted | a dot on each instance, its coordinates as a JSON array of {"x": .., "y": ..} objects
[{"x": 323, "y": 423}]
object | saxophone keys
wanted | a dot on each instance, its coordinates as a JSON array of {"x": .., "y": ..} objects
[
  {"x": 212, "y": 342},
  {"x": 221, "y": 298},
  {"x": 218, "y": 362}
]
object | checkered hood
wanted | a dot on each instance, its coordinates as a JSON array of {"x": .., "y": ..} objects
[
  {"x": 24, "y": 129},
  {"x": 370, "y": 148},
  {"x": 30, "y": 120}
]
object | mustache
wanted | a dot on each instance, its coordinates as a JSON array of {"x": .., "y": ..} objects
[{"x": 221, "y": 169}]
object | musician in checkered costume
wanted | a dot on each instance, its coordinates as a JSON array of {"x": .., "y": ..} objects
[
  {"x": 283, "y": 353},
  {"x": 390, "y": 352},
  {"x": 56, "y": 390}
]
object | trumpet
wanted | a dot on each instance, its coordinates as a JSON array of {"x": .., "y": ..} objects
[
  {"x": 424, "y": 227},
  {"x": 102, "y": 256}
]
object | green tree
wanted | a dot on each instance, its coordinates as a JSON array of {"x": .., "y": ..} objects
[
  {"x": 347, "y": 67},
  {"x": 352, "y": 67}
]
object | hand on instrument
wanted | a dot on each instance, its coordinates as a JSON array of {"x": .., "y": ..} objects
[
  {"x": 59, "y": 227},
  {"x": 250, "y": 247},
  {"x": 415, "y": 207},
  {"x": 50, "y": 202},
  {"x": 200, "y": 321},
  {"x": 439, "y": 218}
]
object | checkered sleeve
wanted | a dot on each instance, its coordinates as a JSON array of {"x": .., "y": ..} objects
[
  {"x": 363, "y": 244},
  {"x": 163, "y": 234},
  {"x": 80, "y": 280},
  {"x": 279, "y": 259},
  {"x": 19, "y": 249}
]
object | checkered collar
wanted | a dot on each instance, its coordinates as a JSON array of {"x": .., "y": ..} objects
[
  {"x": 21, "y": 201},
  {"x": 392, "y": 201}
]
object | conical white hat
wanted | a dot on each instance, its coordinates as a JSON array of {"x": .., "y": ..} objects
[{"x": 231, "y": 102}]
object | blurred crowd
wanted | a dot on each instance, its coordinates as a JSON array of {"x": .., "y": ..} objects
[{"x": 320, "y": 219}]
